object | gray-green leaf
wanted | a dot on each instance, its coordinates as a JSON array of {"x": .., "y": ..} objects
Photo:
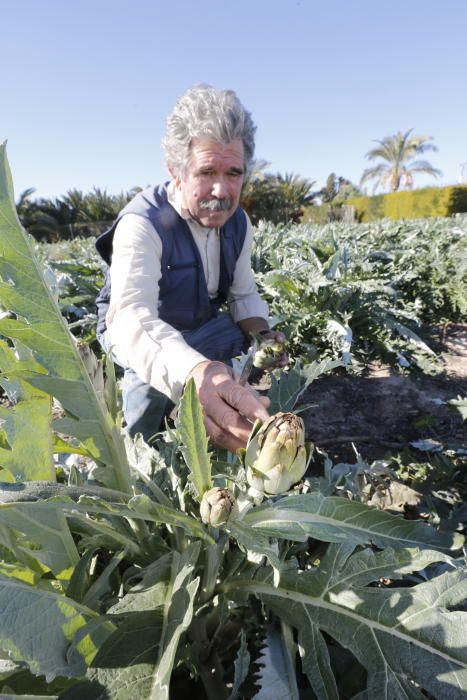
[
  {"x": 47, "y": 530},
  {"x": 398, "y": 634},
  {"x": 40, "y": 327},
  {"x": 137, "y": 660},
  {"x": 277, "y": 677},
  {"x": 336, "y": 519},
  {"x": 194, "y": 439},
  {"x": 37, "y": 627},
  {"x": 241, "y": 667}
]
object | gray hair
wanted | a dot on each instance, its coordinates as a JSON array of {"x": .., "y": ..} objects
[{"x": 204, "y": 112}]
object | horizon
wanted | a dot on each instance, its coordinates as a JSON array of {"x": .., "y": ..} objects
[{"x": 89, "y": 86}]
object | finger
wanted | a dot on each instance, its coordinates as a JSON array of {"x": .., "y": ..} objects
[
  {"x": 277, "y": 335},
  {"x": 265, "y": 400},
  {"x": 225, "y": 413},
  {"x": 244, "y": 400},
  {"x": 223, "y": 438}
]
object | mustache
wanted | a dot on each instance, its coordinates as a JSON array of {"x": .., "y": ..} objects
[{"x": 216, "y": 204}]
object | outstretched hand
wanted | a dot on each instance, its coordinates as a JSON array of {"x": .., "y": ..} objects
[{"x": 229, "y": 409}]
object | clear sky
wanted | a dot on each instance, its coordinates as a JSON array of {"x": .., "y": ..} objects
[{"x": 87, "y": 84}]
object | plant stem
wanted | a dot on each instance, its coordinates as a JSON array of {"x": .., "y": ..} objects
[
  {"x": 210, "y": 668},
  {"x": 211, "y": 569},
  {"x": 211, "y": 675}
]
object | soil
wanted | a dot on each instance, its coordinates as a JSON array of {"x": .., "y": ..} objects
[{"x": 381, "y": 412}]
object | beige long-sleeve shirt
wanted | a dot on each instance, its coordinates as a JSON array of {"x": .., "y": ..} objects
[{"x": 139, "y": 338}]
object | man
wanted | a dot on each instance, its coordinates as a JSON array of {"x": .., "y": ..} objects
[{"x": 177, "y": 252}]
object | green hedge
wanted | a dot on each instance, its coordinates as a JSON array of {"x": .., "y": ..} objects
[
  {"x": 322, "y": 214},
  {"x": 411, "y": 204}
]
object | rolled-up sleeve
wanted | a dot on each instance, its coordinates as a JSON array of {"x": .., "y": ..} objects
[
  {"x": 244, "y": 299},
  {"x": 138, "y": 337}
]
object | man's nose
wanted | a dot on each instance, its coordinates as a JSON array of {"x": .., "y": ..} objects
[{"x": 219, "y": 189}]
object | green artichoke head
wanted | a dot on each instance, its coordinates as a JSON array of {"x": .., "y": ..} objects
[
  {"x": 217, "y": 506},
  {"x": 276, "y": 455}
]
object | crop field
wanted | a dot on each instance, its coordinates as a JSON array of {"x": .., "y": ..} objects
[{"x": 151, "y": 573}]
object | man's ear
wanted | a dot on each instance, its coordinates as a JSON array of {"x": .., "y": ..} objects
[{"x": 173, "y": 175}]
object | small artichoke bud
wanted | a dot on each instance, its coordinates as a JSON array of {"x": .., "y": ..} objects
[
  {"x": 268, "y": 353},
  {"x": 218, "y": 505},
  {"x": 276, "y": 455}
]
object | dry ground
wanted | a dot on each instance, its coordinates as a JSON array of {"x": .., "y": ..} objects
[{"x": 381, "y": 411}]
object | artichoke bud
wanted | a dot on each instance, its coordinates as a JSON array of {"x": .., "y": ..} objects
[
  {"x": 217, "y": 506},
  {"x": 276, "y": 455},
  {"x": 268, "y": 353}
]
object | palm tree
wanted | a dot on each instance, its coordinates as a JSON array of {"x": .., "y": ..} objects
[
  {"x": 398, "y": 167},
  {"x": 337, "y": 190},
  {"x": 276, "y": 198}
]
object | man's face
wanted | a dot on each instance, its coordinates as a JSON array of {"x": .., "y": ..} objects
[{"x": 212, "y": 182}]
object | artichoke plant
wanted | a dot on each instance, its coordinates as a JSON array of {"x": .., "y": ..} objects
[
  {"x": 217, "y": 506},
  {"x": 276, "y": 455}
]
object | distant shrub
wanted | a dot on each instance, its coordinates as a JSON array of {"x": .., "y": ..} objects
[
  {"x": 327, "y": 213},
  {"x": 411, "y": 204}
]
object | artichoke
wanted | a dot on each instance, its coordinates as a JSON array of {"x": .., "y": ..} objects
[
  {"x": 268, "y": 353},
  {"x": 217, "y": 506},
  {"x": 276, "y": 455}
]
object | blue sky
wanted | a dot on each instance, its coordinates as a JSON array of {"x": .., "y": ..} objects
[{"x": 87, "y": 84}]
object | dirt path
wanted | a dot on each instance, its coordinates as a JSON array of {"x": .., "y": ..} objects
[{"x": 383, "y": 412}]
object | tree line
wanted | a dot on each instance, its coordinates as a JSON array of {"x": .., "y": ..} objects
[{"x": 272, "y": 197}]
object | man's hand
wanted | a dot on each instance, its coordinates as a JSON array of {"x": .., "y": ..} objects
[
  {"x": 258, "y": 327},
  {"x": 229, "y": 409},
  {"x": 283, "y": 360}
]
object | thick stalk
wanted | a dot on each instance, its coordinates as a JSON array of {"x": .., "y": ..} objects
[
  {"x": 211, "y": 570},
  {"x": 210, "y": 668},
  {"x": 212, "y": 677}
]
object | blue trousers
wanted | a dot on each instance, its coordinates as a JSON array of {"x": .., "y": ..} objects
[{"x": 145, "y": 408}]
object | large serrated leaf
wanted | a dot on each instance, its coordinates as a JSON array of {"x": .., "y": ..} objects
[
  {"x": 277, "y": 678},
  {"x": 255, "y": 542},
  {"x": 336, "y": 519},
  {"x": 366, "y": 566},
  {"x": 37, "y": 627},
  {"x": 315, "y": 661},
  {"x": 27, "y": 430},
  {"x": 289, "y": 386},
  {"x": 40, "y": 327},
  {"x": 45, "y": 535},
  {"x": 400, "y": 635},
  {"x": 139, "y": 508},
  {"x": 142, "y": 506},
  {"x": 194, "y": 439},
  {"x": 285, "y": 390},
  {"x": 25, "y": 424},
  {"x": 137, "y": 661},
  {"x": 241, "y": 667}
]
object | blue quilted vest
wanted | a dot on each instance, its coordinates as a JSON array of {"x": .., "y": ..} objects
[{"x": 184, "y": 301}]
